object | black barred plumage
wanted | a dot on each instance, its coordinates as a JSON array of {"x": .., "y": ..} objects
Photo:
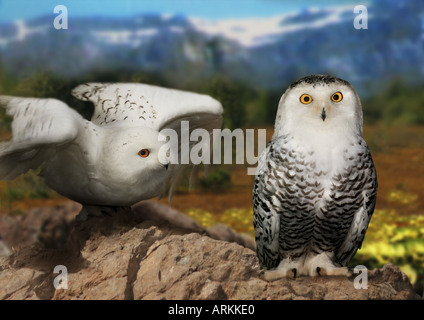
[
  {"x": 309, "y": 198},
  {"x": 303, "y": 226}
]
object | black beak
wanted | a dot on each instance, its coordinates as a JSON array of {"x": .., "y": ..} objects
[{"x": 323, "y": 114}]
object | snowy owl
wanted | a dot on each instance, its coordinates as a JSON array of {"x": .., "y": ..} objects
[
  {"x": 315, "y": 186},
  {"x": 112, "y": 160}
]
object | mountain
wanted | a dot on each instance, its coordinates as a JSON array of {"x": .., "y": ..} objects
[{"x": 263, "y": 52}]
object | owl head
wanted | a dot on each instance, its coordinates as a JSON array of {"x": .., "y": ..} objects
[
  {"x": 132, "y": 161},
  {"x": 319, "y": 103}
]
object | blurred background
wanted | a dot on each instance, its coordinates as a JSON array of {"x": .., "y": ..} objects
[{"x": 244, "y": 53}]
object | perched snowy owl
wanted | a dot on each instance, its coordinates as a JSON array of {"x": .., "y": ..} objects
[
  {"x": 112, "y": 160},
  {"x": 315, "y": 187}
]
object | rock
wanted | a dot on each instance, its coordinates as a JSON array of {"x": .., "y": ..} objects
[
  {"x": 48, "y": 227},
  {"x": 223, "y": 232},
  {"x": 128, "y": 257},
  {"x": 158, "y": 212}
]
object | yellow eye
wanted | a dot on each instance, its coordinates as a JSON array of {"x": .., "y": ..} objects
[
  {"x": 305, "y": 98},
  {"x": 144, "y": 153},
  {"x": 337, "y": 97}
]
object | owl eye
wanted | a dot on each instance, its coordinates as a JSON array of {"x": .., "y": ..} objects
[
  {"x": 144, "y": 153},
  {"x": 337, "y": 97},
  {"x": 305, "y": 98}
]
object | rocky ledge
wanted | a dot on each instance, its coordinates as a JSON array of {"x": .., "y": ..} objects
[{"x": 154, "y": 252}]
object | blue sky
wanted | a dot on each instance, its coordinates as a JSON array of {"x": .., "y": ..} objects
[{"x": 210, "y": 9}]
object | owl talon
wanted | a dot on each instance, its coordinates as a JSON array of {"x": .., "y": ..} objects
[
  {"x": 294, "y": 271},
  {"x": 319, "y": 271}
]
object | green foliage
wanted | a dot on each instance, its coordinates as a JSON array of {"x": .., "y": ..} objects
[
  {"x": 5, "y": 84},
  {"x": 5, "y": 121},
  {"x": 14, "y": 194},
  {"x": 218, "y": 180},
  {"x": 34, "y": 186},
  {"x": 233, "y": 96},
  {"x": 265, "y": 108},
  {"x": 28, "y": 186},
  {"x": 398, "y": 104}
]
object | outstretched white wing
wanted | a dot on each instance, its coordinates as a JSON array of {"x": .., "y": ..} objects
[
  {"x": 38, "y": 126},
  {"x": 136, "y": 104}
]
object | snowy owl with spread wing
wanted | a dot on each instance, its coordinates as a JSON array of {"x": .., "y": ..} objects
[
  {"x": 112, "y": 160},
  {"x": 315, "y": 187}
]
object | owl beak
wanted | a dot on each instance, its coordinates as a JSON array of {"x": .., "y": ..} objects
[{"x": 323, "y": 114}]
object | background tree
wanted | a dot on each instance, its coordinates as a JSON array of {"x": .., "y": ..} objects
[{"x": 233, "y": 96}]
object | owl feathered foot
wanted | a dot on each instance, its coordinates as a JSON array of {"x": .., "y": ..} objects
[
  {"x": 323, "y": 265},
  {"x": 310, "y": 265},
  {"x": 288, "y": 268}
]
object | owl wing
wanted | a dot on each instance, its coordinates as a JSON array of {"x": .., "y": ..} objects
[
  {"x": 38, "y": 126},
  {"x": 137, "y": 104},
  {"x": 266, "y": 220},
  {"x": 362, "y": 216}
]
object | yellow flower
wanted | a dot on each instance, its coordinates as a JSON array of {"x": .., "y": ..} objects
[
  {"x": 410, "y": 272},
  {"x": 401, "y": 196}
]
